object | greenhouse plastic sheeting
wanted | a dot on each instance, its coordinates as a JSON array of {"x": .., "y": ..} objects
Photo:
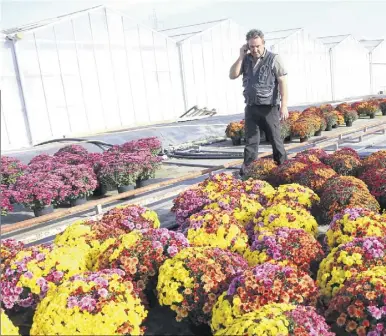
[{"x": 93, "y": 72}]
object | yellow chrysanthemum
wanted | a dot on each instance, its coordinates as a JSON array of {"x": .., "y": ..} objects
[
  {"x": 281, "y": 215},
  {"x": 267, "y": 321},
  {"x": 6, "y": 325},
  {"x": 120, "y": 313}
]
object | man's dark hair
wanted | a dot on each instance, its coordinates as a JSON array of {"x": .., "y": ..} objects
[{"x": 254, "y": 33}]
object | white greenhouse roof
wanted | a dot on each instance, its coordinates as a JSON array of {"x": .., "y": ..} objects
[
  {"x": 332, "y": 41},
  {"x": 371, "y": 44},
  {"x": 181, "y": 33},
  {"x": 42, "y": 23},
  {"x": 69, "y": 16},
  {"x": 279, "y": 35}
]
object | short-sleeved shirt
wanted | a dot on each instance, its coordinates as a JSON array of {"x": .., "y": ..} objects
[{"x": 278, "y": 65}]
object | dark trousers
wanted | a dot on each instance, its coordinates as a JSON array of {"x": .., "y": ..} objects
[{"x": 266, "y": 118}]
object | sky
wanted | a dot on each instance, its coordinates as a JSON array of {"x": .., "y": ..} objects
[{"x": 363, "y": 19}]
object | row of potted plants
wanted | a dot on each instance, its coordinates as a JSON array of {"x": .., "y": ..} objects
[
  {"x": 316, "y": 169},
  {"x": 315, "y": 119},
  {"x": 72, "y": 174}
]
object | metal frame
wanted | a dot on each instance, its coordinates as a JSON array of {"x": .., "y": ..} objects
[
  {"x": 97, "y": 72},
  {"x": 61, "y": 79},
  {"x": 112, "y": 66},
  {"x": 80, "y": 74},
  {"x": 21, "y": 80},
  {"x": 44, "y": 90},
  {"x": 128, "y": 67}
]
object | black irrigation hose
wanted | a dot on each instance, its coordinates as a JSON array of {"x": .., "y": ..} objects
[
  {"x": 94, "y": 142},
  {"x": 204, "y": 156}
]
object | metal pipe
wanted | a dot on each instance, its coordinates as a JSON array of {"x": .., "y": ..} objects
[
  {"x": 182, "y": 76},
  {"x": 371, "y": 71},
  {"x": 22, "y": 86},
  {"x": 332, "y": 77}
]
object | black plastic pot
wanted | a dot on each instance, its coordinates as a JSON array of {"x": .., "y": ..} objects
[
  {"x": 304, "y": 139},
  {"x": 202, "y": 329},
  {"x": 372, "y": 116},
  {"x": 123, "y": 189},
  {"x": 101, "y": 190},
  {"x": 318, "y": 133},
  {"x": 78, "y": 201},
  {"x": 288, "y": 138},
  {"x": 383, "y": 111},
  {"x": 382, "y": 202},
  {"x": 236, "y": 141},
  {"x": 335, "y": 126},
  {"x": 328, "y": 128},
  {"x": 349, "y": 123},
  {"x": 44, "y": 211},
  {"x": 143, "y": 183}
]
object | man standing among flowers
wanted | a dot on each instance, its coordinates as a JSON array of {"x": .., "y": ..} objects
[{"x": 264, "y": 81}]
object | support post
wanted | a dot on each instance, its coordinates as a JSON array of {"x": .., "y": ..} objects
[{"x": 21, "y": 82}]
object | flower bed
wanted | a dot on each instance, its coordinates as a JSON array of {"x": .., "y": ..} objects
[
  {"x": 375, "y": 160},
  {"x": 72, "y": 149},
  {"x": 217, "y": 229},
  {"x": 355, "y": 223},
  {"x": 376, "y": 182},
  {"x": 279, "y": 319},
  {"x": 304, "y": 128},
  {"x": 189, "y": 202},
  {"x": 141, "y": 253},
  {"x": 88, "y": 235},
  {"x": 368, "y": 108},
  {"x": 126, "y": 218},
  {"x": 348, "y": 260},
  {"x": 358, "y": 307},
  {"x": 260, "y": 169},
  {"x": 241, "y": 206},
  {"x": 260, "y": 191},
  {"x": 307, "y": 158},
  {"x": 259, "y": 286},
  {"x": 40, "y": 189},
  {"x": 294, "y": 195},
  {"x": 343, "y": 164},
  {"x": 193, "y": 279},
  {"x": 224, "y": 192},
  {"x": 36, "y": 270},
  {"x": 121, "y": 169},
  {"x": 285, "y": 245},
  {"x": 344, "y": 192},
  {"x": 280, "y": 215},
  {"x": 100, "y": 303},
  {"x": 152, "y": 144},
  {"x": 80, "y": 178},
  {"x": 9, "y": 248},
  {"x": 314, "y": 176},
  {"x": 10, "y": 170},
  {"x": 285, "y": 172},
  {"x": 7, "y": 197}
]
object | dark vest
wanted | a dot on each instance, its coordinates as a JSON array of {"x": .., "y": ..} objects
[{"x": 261, "y": 88}]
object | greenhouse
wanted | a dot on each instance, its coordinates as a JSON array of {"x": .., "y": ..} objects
[
  {"x": 307, "y": 62},
  {"x": 86, "y": 72},
  {"x": 349, "y": 62},
  {"x": 377, "y": 59}
]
